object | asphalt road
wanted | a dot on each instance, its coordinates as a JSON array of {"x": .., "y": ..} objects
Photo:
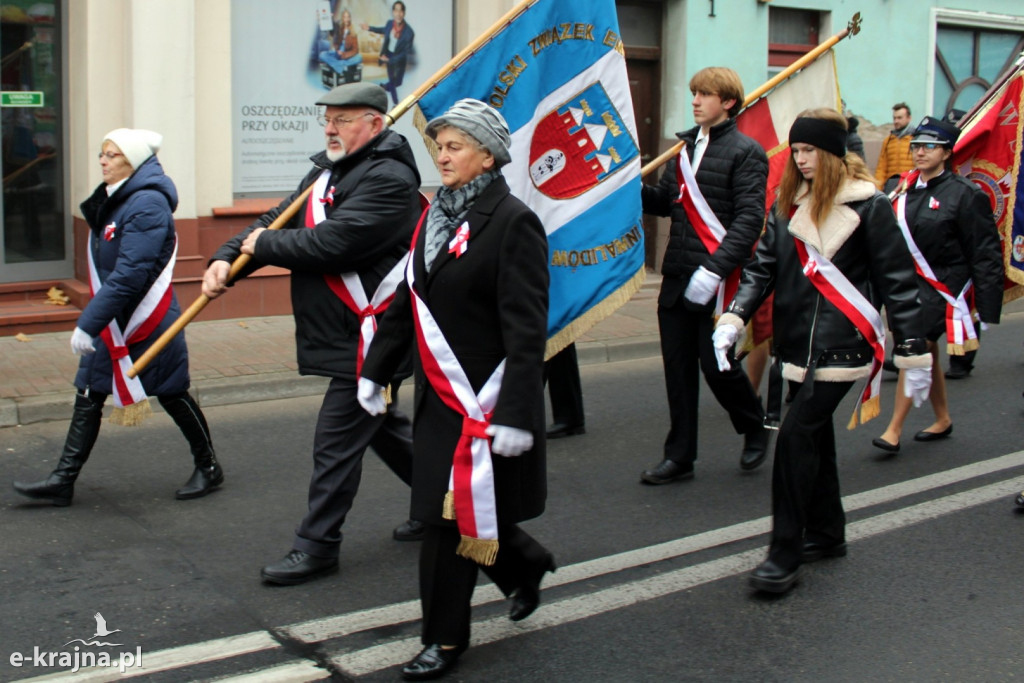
[{"x": 651, "y": 583}]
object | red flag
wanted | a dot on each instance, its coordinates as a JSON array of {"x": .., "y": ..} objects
[{"x": 989, "y": 153}]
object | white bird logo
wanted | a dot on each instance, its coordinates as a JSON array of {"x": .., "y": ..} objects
[{"x": 101, "y": 627}]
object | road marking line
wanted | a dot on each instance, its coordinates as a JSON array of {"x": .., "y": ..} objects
[
  {"x": 298, "y": 671},
  {"x": 335, "y": 627},
  {"x": 569, "y": 610},
  {"x": 317, "y": 630}
]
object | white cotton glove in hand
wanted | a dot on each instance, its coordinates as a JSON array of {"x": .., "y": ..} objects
[
  {"x": 81, "y": 342},
  {"x": 917, "y": 384},
  {"x": 702, "y": 287},
  {"x": 723, "y": 338},
  {"x": 510, "y": 441},
  {"x": 371, "y": 396}
]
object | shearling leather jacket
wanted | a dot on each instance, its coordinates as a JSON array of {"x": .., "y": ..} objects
[{"x": 861, "y": 238}]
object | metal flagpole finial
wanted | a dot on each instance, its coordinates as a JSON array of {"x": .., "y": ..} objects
[{"x": 854, "y": 26}]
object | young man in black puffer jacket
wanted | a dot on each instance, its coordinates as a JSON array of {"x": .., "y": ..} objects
[{"x": 701, "y": 267}]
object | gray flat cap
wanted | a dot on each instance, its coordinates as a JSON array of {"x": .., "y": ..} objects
[{"x": 359, "y": 94}]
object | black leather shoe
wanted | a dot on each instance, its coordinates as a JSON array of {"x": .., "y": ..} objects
[
  {"x": 202, "y": 481},
  {"x": 409, "y": 530},
  {"x": 298, "y": 567},
  {"x": 933, "y": 436},
  {"x": 883, "y": 445},
  {"x": 772, "y": 578},
  {"x": 560, "y": 429},
  {"x": 755, "y": 449},
  {"x": 527, "y": 597},
  {"x": 666, "y": 472},
  {"x": 54, "y": 488},
  {"x": 957, "y": 372},
  {"x": 433, "y": 661},
  {"x": 812, "y": 551},
  {"x": 1020, "y": 499}
]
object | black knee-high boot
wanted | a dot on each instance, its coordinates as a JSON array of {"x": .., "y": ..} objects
[
  {"x": 208, "y": 474},
  {"x": 59, "y": 487}
]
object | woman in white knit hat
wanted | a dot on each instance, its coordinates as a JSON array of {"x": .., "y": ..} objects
[
  {"x": 476, "y": 300},
  {"x": 132, "y": 247}
]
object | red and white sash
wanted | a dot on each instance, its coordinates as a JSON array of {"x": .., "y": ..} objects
[
  {"x": 709, "y": 229},
  {"x": 470, "y": 500},
  {"x": 347, "y": 286},
  {"x": 144, "y": 320},
  {"x": 840, "y": 292},
  {"x": 960, "y": 333}
]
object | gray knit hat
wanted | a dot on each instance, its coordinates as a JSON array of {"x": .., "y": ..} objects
[{"x": 482, "y": 122}]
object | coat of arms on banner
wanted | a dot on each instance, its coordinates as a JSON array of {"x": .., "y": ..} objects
[{"x": 579, "y": 144}]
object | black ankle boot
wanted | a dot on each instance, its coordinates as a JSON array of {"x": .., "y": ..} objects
[
  {"x": 208, "y": 474},
  {"x": 59, "y": 487}
]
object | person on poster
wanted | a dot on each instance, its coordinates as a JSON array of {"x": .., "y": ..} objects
[
  {"x": 343, "y": 50},
  {"x": 396, "y": 48}
]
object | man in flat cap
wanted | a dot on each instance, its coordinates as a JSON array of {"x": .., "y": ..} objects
[{"x": 345, "y": 249}]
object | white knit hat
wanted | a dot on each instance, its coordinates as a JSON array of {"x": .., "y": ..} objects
[{"x": 136, "y": 144}]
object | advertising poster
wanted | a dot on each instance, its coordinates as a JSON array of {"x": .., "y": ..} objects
[{"x": 286, "y": 53}]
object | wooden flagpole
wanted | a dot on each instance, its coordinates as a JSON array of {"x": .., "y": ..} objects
[
  {"x": 401, "y": 108},
  {"x": 200, "y": 303},
  {"x": 852, "y": 29}
]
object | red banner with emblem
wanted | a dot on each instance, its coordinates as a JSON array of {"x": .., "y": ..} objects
[{"x": 989, "y": 152}]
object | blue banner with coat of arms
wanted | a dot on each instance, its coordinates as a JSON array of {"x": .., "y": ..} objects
[{"x": 557, "y": 73}]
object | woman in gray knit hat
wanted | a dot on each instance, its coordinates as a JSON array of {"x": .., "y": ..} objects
[{"x": 476, "y": 299}]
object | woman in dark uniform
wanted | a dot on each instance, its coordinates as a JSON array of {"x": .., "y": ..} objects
[
  {"x": 947, "y": 223},
  {"x": 475, "y": 302}
]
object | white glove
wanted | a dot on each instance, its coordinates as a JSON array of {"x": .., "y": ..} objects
[
  {"x": 702, "y": 287},
  {"x": 723, "y": 338},
  {"x": 81, "y": 342},
  {"x": 371, "y": 396},
  {"x": 510, "y": 441},
  {"x": 917, "y": 383}
]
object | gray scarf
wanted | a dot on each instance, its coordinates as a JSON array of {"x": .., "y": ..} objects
[{"x": 446, "y": 213}]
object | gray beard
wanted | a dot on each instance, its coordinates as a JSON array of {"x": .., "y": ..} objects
[{"x": 335, "y": 156}]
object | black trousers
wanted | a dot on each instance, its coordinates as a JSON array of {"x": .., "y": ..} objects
[
  {"x": 343, "y": 431},
  {"x": 447, "y": 580},
  {"x": 685, "y": 345},
  {"x": 562, "y": 373},
  {"x": 806, "y": 503}
]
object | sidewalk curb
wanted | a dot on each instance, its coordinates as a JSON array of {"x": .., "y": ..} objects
[{"x": 278, "y": 385}]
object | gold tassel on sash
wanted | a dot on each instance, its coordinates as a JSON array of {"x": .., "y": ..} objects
[
  {"x": 132, "y": 415},
  {"x": 479, "y": 550},
  {"x": 961, "y": 349},
  {"x": 867, "y": 411},
  {"x": 448, "y": 507}
]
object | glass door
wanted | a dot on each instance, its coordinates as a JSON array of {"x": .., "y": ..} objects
[{"x": 36, "y": 234}]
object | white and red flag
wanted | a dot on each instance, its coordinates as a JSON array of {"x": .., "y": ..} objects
[{"x": 768, "y": 121}]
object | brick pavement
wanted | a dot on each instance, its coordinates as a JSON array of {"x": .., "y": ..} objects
[{"x": 235, "y": 361}]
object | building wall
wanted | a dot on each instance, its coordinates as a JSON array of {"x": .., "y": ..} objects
[
  {"x": 166, "y": 65},
  {"x": 891, "y": 59}
]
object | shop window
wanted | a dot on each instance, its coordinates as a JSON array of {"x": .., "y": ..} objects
[{"x": 33, "y": 203}]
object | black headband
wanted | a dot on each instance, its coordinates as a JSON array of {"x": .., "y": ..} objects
[{"x": 823, "y": 134}]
